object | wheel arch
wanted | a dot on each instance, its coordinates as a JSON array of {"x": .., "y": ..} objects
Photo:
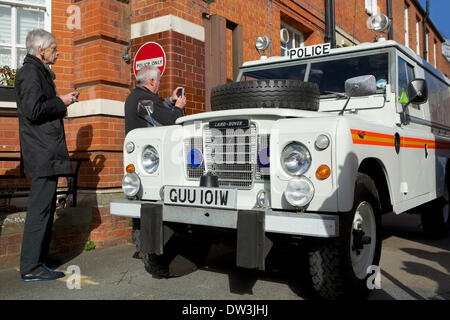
[{"x": 375, "y": 169}]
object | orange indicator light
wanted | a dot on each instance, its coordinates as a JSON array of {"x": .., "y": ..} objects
[{"x": 323, "y": 172}]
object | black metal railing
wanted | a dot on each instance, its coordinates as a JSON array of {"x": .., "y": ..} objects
[{"x": 72, "y": 184}]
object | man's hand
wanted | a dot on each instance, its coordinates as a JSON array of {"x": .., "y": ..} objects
[
  {"x": 69, "y": 98},
  {"x": 181, "y": 102},
  {"x": 174, "y": 96}
]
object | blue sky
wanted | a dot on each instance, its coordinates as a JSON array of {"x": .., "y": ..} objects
[{"x": 440, "y": 15}]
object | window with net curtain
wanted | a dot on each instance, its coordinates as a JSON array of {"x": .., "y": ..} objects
[
  {"x": 296, "y": 39},
  {"x": 17, "y": 18}
]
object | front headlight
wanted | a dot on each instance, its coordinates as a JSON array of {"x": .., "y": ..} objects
[
  {"x": 295, "y": 159},
  {"x": 131, "y": 184},
  {"x": 299, "y": 191},
  {"x": 150, "y": 159}
]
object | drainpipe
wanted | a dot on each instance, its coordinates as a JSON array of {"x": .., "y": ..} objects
[
  {"x": 425, "y": 18},
  {"x": 330, "y": 25},
  {"x": 391, "y": 28}
]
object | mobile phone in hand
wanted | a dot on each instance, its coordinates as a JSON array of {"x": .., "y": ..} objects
[
  {"x": 76, "y": 95},
  {"x": 180, "y": 92}
]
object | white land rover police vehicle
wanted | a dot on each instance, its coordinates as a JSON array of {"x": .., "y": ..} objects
[{"x": 314, "y": 147}]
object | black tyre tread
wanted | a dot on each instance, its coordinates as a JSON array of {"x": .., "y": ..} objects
[
  {"x": 329, "y": 269},
  {"x": 136, "y": 237},
  {"x": 156, "y": 265},
  {"x": 293, "y": 94},
  {"x": 182, "y": 255},
  {"x": 325, "y": 273}
]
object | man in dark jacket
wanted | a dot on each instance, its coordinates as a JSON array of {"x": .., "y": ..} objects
[
  {"x": 159, "y": 112},
  {"x": 163, "y": 112},
  {"x": 43, "y": 149}
]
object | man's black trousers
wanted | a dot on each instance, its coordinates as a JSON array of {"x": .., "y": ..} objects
[{"x": 38, "y": 223}]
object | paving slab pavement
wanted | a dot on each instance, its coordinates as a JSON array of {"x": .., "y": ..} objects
[{"x": 412, "y": 268}]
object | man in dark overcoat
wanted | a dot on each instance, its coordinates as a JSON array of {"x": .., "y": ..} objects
[{"x": 43, "y": 149}]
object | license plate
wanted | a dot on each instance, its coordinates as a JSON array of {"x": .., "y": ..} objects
[{"x": 201, "y": 197}]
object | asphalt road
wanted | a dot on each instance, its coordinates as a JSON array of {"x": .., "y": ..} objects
[{"x": 412, "y": 268}]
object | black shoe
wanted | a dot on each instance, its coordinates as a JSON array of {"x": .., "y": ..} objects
[
  {"x": 42, "y": 273},
  {"x": 52, "y": 263}
]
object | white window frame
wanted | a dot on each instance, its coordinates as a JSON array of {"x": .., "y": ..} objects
[
  {"x": 434, "y": 53},
  {"x": 417, "y": 36},
  {"x": 292, "y": 31},
  {"x": 371, "y": 7},
  {"x": 426, "y": 45},
  {"x": 406, "y": 25},
  {"x": 47, "y": 7}
]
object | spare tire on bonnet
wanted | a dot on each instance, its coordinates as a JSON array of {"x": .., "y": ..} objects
[{"x": 283, "y": 93}]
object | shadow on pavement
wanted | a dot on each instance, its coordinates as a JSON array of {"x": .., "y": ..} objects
[
  {"x": 286, "y": 265},
  {"x": 409, "y": 227}
]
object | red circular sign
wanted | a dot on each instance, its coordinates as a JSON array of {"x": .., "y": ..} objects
[{"x": 150, "y": 54}]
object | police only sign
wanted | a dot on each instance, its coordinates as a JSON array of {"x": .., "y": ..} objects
[
  {"x": 310, "y": 51},
  {"x": 150, "y": 54}
]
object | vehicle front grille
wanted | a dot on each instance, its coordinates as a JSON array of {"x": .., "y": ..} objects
[
  {"x": 193, "y": 172},
  {"x": 262, "y": 165},
  {"x": 231, "y": 154}
]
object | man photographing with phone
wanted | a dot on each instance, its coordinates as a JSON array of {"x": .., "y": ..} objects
[{"x": 144, "y": 108}]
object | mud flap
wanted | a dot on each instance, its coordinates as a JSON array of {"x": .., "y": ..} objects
[
  {"x": 252, "y": 243},
  {"x": 154, "y": 235}
]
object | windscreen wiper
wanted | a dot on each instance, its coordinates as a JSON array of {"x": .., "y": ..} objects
[{"x": 336, "y": 94}]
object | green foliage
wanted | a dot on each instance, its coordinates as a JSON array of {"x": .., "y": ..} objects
[
  {"x": 7, "y": 76},
  {"x": 90, "y": 245}
]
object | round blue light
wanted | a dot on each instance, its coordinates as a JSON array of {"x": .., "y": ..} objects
[
  {"x": 195, "y": 158},
  {"x": 264, "y": 158}
]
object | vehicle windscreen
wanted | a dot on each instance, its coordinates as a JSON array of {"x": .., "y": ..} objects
[{"x": 330, "y": 75}]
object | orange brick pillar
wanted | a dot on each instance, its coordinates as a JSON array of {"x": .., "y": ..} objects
[
  {"x": 177, "y": 27},
  {"x": 95, "y": 126}
]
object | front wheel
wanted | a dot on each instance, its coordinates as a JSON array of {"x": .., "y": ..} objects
[{"x": 340, "y": 267}]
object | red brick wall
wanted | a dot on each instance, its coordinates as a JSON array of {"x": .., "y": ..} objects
[
  {"x": 90, "y": 57},
  {"x": 10, "y": 249},
  {"x": 109, "y": 230},
  {"x": 398, "y": 14},
  {"x": 185, "y": 67},
  {"x": 90, "y": 60},
  {"x": 64, "y": 38},
  {"x": 98, "y": 138},
  {"x": 253, "y": 15},
  {"x": 67, "y": 240},
  {"x": 352, "y": 17}
]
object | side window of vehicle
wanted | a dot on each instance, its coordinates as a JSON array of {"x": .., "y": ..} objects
[{"x": 405, "y": 75}]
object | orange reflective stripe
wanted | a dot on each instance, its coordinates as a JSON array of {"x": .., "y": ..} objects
[
  {"x": 372, "y": 138},
  {"x": 374, "y": 143},
  {"x": 388, "y": 140}
]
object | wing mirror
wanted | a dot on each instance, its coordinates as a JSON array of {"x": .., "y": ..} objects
[
  {"x": 417, "y": 91},
  {"x": 359, "y": 87},
  {"x": 417, "y": 94}
]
